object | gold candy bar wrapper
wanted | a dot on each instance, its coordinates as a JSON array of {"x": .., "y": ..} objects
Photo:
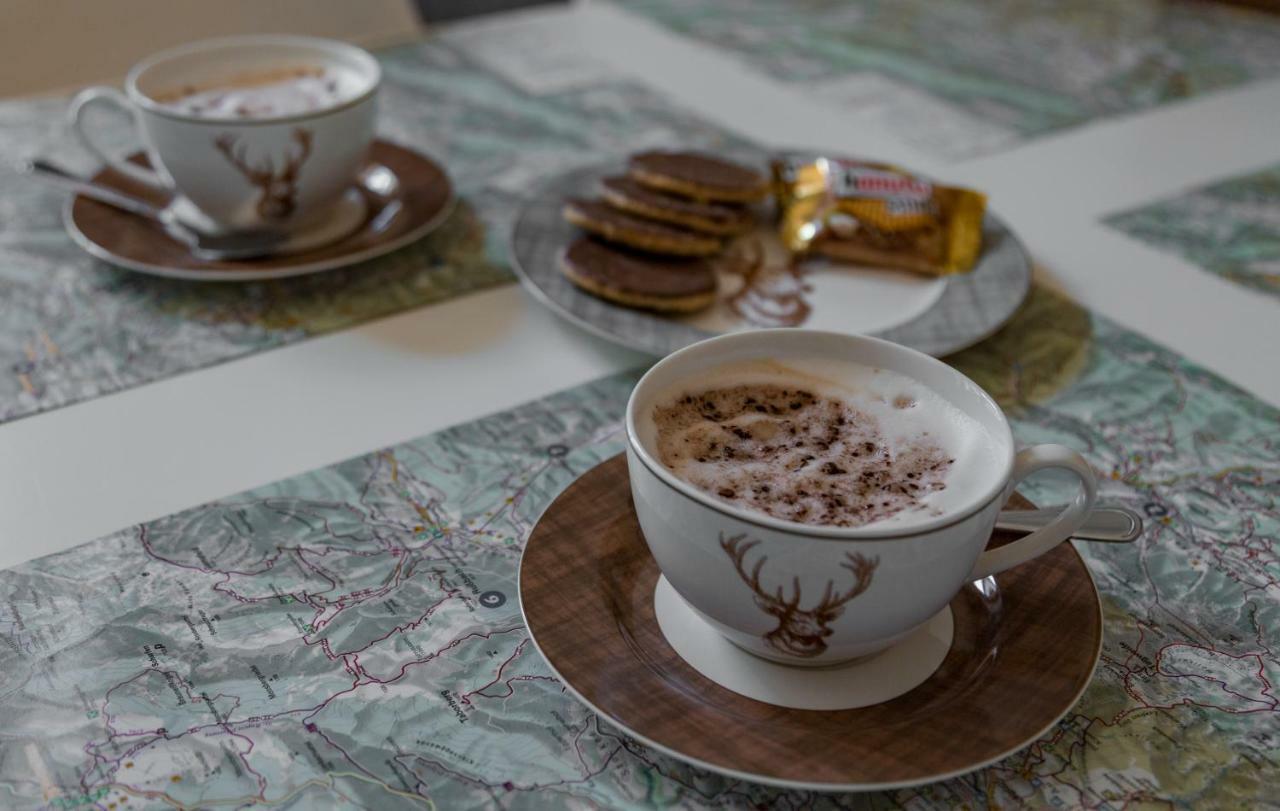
[{"x": 876, "y": 214}]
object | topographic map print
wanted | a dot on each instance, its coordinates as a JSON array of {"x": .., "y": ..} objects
[
  {"x": 351, "y": 637},
  {"x": 972, "y": 76},
  {"x": 1231, "y": 228},
  {"x": 73, "y": 328}
]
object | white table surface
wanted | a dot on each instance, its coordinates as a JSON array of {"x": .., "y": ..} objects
[{"x": 75, "y": 473}]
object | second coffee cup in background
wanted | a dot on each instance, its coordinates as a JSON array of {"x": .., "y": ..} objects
[{"x": 256, "y": 132}]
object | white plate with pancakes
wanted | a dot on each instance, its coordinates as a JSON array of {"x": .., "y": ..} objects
[{"x": 938, "y": 316}]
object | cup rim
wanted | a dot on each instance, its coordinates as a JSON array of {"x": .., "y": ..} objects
[
  {"x": 819, "y": 532},
  {"x": 150, "y": 105}
]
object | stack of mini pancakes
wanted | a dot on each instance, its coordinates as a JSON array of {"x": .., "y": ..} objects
[{"x": 655, "y": 229}]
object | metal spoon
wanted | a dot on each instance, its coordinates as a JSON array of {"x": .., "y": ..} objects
[
  {"x": 381, "y": 187},
  {"x": 1110, "y": 524},
  {"x": 213, "y": 247}
]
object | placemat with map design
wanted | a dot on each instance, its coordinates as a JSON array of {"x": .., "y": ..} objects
[
  {"x": 970, "y": 77},
  {"x": 1231, "y": 228},
  {"x": 351, "y": 637},
  {"x": 73, "y": 328}
]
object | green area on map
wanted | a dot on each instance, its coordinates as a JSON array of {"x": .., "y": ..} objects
[
  {"x": 968, "y": 76},
  {"x": 1230, "y": 228}
]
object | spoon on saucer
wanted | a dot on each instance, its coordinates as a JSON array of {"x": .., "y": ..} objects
[
  {"x": 204, "y": 245},
  {"x": 1110, "y": 523},
  {"x": 381, "y": 187}
]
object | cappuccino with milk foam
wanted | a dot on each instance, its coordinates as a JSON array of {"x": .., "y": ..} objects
[
  {"x": 265, "y": 93},
  {"x": 828, "y": 443}
]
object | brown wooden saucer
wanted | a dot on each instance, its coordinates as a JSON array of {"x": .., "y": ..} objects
[
  {"x": 423, "y": 200},
  {"x": 1021, "y": 657}
]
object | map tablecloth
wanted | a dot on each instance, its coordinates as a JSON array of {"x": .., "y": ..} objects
[
  {"x": 351, "y": 637},
  {"x": 73, "y": 328},
  {"x": 1231, "y": 228},
  {"x": 968, "y": 77}
]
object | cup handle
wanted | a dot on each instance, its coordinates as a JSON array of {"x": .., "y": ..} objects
[
  {"x": 1028, "y": 461},
  {"x": 110, "y": 97}
]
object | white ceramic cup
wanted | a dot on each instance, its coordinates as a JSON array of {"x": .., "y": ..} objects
[
  {"x": 279, "y": 173},
  {"x": 861, "y": 589}
]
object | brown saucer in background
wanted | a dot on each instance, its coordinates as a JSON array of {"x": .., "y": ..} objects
[
  {"x": 425, "y": 196},
  {"x": 1021, "y": 657}
]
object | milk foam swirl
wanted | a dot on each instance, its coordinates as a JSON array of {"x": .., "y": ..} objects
[{"x": 265, "y": 94}]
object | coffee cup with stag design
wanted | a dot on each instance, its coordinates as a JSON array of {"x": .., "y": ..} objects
[
  {"x": 817, "y": 496},
  {"x": 251, "y": 132}
]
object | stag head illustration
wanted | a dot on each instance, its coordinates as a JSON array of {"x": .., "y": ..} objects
[
  {"x": 277, "y": 188},
  {"x": 801, "y": 631}
]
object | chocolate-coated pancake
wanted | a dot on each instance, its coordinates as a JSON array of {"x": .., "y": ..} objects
[
  {"x": 713, "y": 218},
  {"x": 636, "y": 232},
  {"x": 698, "y": 175},
  {"x": 638, "y": 273},
  {"x": 635, "y": 279}
]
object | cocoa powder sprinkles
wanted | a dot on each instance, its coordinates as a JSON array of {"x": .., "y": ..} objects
[{"x": 795, "y": 454}]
